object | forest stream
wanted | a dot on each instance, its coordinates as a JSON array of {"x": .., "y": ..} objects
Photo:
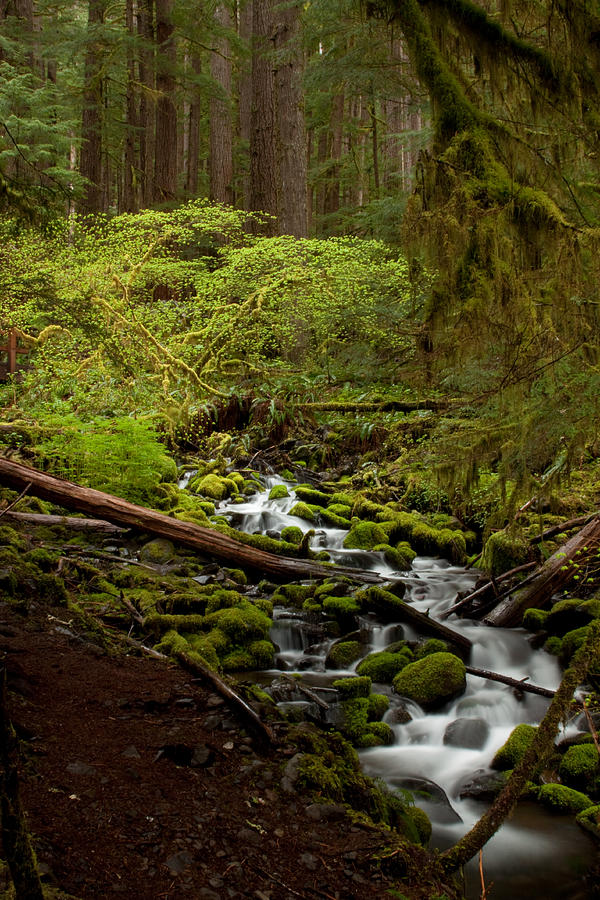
[{"x": 443, "y": 758}]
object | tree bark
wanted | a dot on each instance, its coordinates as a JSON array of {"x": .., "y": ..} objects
[
  {"x": 91, "y": 159},
  {"x": 165, "y": 154},
  {"x": 193, "y": 149},
  {"x": 554, "y": 574},
  {"x": 511, "y": 682},
  {"x": 129, "y": 199},
  {"x": 263, "y": 158},
  {"x": 220, "y": 157},
  {"x": 121, "y": 512},
  {"x": 145, "y": 27},
  {"x": 99, "y": 526},
  {"x": 291, "y": 130}
]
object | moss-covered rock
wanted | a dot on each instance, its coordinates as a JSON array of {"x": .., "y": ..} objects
[
  {"x": 366, "y": 509},
  {"x": 383, "y": 666},
  {"x": 432, "y": 645},
  {"x": 278, "y": 492},
  {"x": 432, "y": 681},
  {"x": 504, "y": 551},
  {"x": 333, "y": 519},
  {"x": 563, "y": 800},
  {"x": 342, "y": 654},
  {"x": 571, "y": 642},
  {"x": 158, "y": 551},
  {"x": 420, "y": 820},
  {"x": 378, "y": 706},
  {"x": 364, "y": 536},
  {"x": 304, "y": 511},
  {"x": 350, "y": 688},
  {"x": 343, "y": 609},
  {"x": 388, "y": 606},
  {"x": 589, "y": 819},
  {"x": 311, "y": 496},
  {"x": 341, "y": 510},
  {"x": 213, "y": 486},
  {"x": 292, "y": 534},
  {"x": 241, "y": 624},
  {"x": 535, "y": 619},
  {"x": 512, "y": 752},
  {"x": 580, "y": 767}
]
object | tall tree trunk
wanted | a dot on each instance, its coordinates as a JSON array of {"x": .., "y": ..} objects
[
  {"x": 291, "y": 130},
  {"x": 129, "y": 199},
  {"x": 245, "y": 17},
  {"x": 165, "y": 155},
  {"x": 91, "y": 159},
  {"x": 145, "y": 24},
  {"x": 263, "y": 159},
  {"x": 332, "y": 189},
  {"x": 193, "y": 154},
  {"x": 220, "y": 157}
]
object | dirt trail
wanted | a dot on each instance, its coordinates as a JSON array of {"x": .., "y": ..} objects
[{"x": 138, "y": 783}]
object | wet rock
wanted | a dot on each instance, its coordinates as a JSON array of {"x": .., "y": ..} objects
[
  {"x": 430, "y": 797},
  {"x": 482, "y": 785},
  {"x": 398, "y": 715},
  {"x": 469, "y": 733}
]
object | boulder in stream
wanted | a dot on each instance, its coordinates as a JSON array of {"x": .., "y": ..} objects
[
  {"x": 433, "y": 680},
  {"x": 468, "y": 733}
]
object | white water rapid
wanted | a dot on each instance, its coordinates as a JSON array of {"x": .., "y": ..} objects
[{"x": 436, "y": 755}]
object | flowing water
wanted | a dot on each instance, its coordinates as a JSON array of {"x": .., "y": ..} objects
[{"x": 436, "y": 755}]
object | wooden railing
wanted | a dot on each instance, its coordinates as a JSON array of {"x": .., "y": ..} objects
[{"x": 12, "y": 350}]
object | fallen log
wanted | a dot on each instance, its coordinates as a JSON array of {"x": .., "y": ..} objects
[
  {"x": 553, "y": 575},
  {"x": 72, "y": 522},
  {"x": 520, "y": 685},
  {"x": 563, "y": 526},
  {"x": 485, "y": 587},
  {"x": 239, "y": 706},
  {"x": 206, "y": 540}
]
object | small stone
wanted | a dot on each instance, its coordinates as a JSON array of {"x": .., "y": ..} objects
[
  {"x": 80, "y": 768},
  {"x": 202, "y": 756},
  {"x": 131, "y": 753},
  {"x": 329, "y": 812},
  {"x": 179, "y": 862},
  {"x": 212, "y": 722},
  {"x": 214, "y": 700},
  {"x": 228, "y": 746},
  {"x": 309, "y": 861}
]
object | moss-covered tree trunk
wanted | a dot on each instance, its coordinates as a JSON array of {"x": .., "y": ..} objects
[{"x": 15, "y": 837}]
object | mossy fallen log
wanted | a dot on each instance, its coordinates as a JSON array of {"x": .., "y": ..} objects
[
  {"x": 197, "y": 537},
  {"x": 553, "y": 575},
  {"x": 71, "y": 522}
]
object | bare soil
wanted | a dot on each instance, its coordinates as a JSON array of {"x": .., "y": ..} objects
[{"x": 139, "y": 782}]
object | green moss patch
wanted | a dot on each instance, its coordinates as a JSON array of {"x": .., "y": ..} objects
[
  {"x": 432, "y": 681},
  {"x": 563, "y": 800},
  {"x": 511, "y": 753},
  {"x": 383, "y": 666}
]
